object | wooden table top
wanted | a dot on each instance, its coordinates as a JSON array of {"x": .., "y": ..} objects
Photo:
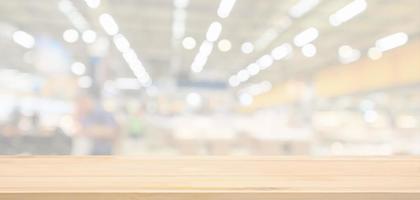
[{"x": 150, "y": 178}]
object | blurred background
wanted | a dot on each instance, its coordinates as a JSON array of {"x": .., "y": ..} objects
[{"x": 207, "y": 77}]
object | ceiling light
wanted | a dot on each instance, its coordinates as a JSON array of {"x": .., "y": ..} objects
[
  {"x": 70, "y": 35},
  {"x": 89, "y": 36},
  {"x": 225, "y": 7},
  {"x": 247, "y": 48},
  {"x": 93, "y": 3},
  {"x": 302, "y": 7},
  {"x": 224, "y": 45},
  {"x": 281, "y": 51},
  {"x": 130, "y": 57},
  {"x": 243, "y": 75},
  {"x": 24, "y": 39},
  {"x": 265, "y": 62},
  {"x": 78, "y": 68},
  {"x": 309, "y": 50},
  {"x": 257, "y": 89},
  {"x": 73, "y": 14},
  {"x": 233, "y": 81},
  {"x": 121, "y": 43},
  {"x": 189, "y": 43},
  {"x": 108, "y": 24},
  {"x": 348, "y": 12},
  {"x": 198, "y": 64},
  {"x": 196, "y": 67},
  {"x": 206, "y": 48},
  {"x": 253, "y": 69},
  {"x": 392, "y": 41},
  {"x": 374, "y": 53},
  {"x": 345, "y": 51},
  {"x": 214, "y": 31},
  {"x": 194, "y": 99},
  {"x": 306, "y": 36},
  {"x": 347, "y": 54},
  {"x": 245, "y": 99}
]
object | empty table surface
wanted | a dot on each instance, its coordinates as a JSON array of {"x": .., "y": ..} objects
[{"x": 150, "y": 178}]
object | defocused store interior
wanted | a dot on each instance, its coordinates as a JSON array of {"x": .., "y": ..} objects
[{"x": 210, "y": 77}]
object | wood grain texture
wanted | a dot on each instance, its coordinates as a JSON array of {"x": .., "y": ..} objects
[{"x": 208, "y": 178}]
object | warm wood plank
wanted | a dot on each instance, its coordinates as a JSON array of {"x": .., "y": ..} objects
[{"x": 209, "y": 178}]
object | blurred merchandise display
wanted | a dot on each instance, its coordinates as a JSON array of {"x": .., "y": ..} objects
[{"x": 182, "y": 77}]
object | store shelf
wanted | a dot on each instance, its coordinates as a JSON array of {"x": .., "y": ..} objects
[{"x": 245, "y": 178}]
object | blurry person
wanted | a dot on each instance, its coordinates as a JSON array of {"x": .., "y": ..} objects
[{"x": 97, "y": 124}]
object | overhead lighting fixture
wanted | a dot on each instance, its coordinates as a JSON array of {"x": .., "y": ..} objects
[
  {"x": 247, "y": 48},
  {"x": 93, "y": 3},
  {"x": 233, "y": 81},
  {"x": 72, "y": 13},
  {"x": 193, "y": 99},
  {"x": 131, "y": 58},
  {"x": 253, "y": 69},
  {"x": 281, "y": 51},
  {"x": 89, "y": 36},
  {"x": 199, "y": 62},
  {"x": 243, "y": 75},
  {"x": 137, "y": 67},
  {"x": 391, "y": 41},
  {"x": 214, "y": 31},
  {"x": 348, "y": 12},
  {"x": 224, "y": 45},
  {"x": 265, "y": 62},
  {"x": 189, "y": 43},
  {"x": 257, "y": 88},
  {"x": 309, "y": 50},
  {"x": 108, "y": 24},
  {"x": 347, "y": 54},
  {"x": 121, "y": 43},
  {"x": 225, "y": 7},
  {"x": 78, "y": 68},
  {"x": 262, "y": 63},
  {"x": 306, "y": 37},
  {"x": 24, "y": 39},
  {"x": 302, "y": 7},
  {"x": 70, "y": 35},
  {"x": 206, "y": 48},
  {"x": 245, "y": 99}
]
